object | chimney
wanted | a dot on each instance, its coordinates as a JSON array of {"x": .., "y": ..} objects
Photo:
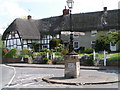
[
  {"x": 65, "y": 11},
  {"x": 105, "y": 8},
  {"x": 29, "y": 17}
]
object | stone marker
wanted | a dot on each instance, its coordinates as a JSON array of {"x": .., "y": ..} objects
[{"x": 72, "y": 65}]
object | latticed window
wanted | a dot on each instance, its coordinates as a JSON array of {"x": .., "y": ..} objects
[{"x": 76, "y": 44}]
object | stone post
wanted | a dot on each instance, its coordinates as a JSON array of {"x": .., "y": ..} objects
[{"x": 72, "y": 65}]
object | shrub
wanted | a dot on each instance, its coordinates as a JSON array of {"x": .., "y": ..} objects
[
  {"x": 87, "y": 60},
  {"x": 58, "y": 53},
  {"x": 44, "y": 50},
  {"x": 64, "y": 52},
  {"x": 89, "y": 50},
  {"x": 58, "y": 59},
  {"x": 11, "y": 53},
  {"x": 44, "y": 60},
  {"x": 35, "y": 46},
  {"x": 103, "y": 42},
  {"x": 25, "y": 52},
  {"x": 54, "y": 43}
]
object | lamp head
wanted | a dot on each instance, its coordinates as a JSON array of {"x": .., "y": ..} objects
[{"x": 70, "y": 3}]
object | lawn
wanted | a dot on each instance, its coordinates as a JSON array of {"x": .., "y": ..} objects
[
  {"x": 112, "y": 56},
  {"x": 115, "y": 56}
]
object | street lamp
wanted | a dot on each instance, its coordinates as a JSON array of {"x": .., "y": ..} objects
[
  {"x": 72, "y": 63},
  {"x": 70, "y": 3},
  {"x": 70, "y": 6}
]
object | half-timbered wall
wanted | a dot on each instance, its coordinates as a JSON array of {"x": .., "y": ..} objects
[
  {"x": 13, "y": 40},
  {"x": 27, "y": 43},
  {"x": 46, "y": 39}
]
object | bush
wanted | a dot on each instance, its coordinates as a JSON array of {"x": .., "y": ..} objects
[
  {"x": 44, "y": 60},
  {"x": 54, "y": 43},
  {"x": 44, "y": 50},
  {"x": 64, "y": 52},
  {"x": 11, "y": 53},
  {"x": 87, "y": 60},
  {"x": 58, "y": 53},
  {"x": 88, "y": 51},
  {"x": 25, "y": 52},
  {"x": 58, "y": 60},
  {"x": 103, "y": 42},
  {"x": 35, "y": 46}
]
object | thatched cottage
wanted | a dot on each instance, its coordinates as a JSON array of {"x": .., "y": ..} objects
[{"x": 22, "y": 32}]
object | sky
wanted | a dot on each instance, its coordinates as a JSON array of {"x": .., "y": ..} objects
[{"x": 38, "y": 9}]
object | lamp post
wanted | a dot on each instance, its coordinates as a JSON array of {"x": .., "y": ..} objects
[
  {"x": 70, "y": 6},
  {"x": 72, "y": 63}
]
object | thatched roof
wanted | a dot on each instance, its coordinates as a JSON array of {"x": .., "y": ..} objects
[
  {"x": 27, "y": 29},
  {"x": 31, "y": 29}
]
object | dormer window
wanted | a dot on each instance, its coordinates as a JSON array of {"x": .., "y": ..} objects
[{"x": 93, "y": 33}]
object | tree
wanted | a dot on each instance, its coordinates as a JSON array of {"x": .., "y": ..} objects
[
  {"x": 103, "y": 42},
  {"x": 114, "y": 37},
  {"x": 1, "y": 42},
  {"x": 54, "y": 43},
  {"x": 35, "y": 46}
]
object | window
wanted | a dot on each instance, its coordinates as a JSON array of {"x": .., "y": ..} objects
[
  {"x": 25, "y": 46},
  {"x": 9, "y": 37},
  {"x": 93, "y": 33},
  {"x": 76, "y": 45},
  {"x": 5, "y": 43},
  {"x": 44, "y": 46},
  {"x": 29, "y": 41},
  {"x": 19, "y": 47},
  {"x": 16, "y": 36},
  {"x": 112, "y": 30},
  {"x": 15, "y": 42},
  {"x": 66, "y": 32},
  {"x": 18, "y": 42},
  {"x": 24, "y": 42},
  {"x": 75, "y": 36},
  {"x": 93, "y": 43},
  {"x": 57, "y": 36},
  {"x": 50, "y": 37}
]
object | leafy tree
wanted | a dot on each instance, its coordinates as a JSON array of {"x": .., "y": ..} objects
[
  {"x": 35, "y": 46},
  {"x": 54, "y": 43},
  {"x": 114, "y": 37},
  {"x": 103, "y": 42},
  {"x": 1, "y": 42}
]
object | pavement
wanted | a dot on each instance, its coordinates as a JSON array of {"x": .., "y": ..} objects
[
  {"x": 89, "y": 75},
  {"x": 58, "y": 66}
]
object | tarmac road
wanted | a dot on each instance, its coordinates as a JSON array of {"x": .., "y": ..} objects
[
  {"x": 8, "y": 74},
  {"x": 27, "y": 77}
]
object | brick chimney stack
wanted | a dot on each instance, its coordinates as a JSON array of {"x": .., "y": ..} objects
[
  {"x": 29, "y": 17},
  {"x": 105, "y": 8},
  {"x": 65, "y": 11}
]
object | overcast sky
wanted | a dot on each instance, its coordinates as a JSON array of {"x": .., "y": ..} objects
[{"x": 11, "y": 9}]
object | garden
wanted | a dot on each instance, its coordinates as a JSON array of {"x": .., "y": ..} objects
[
  {"x": 56, "y": 56},
  {"x": 57, "y": 51}
]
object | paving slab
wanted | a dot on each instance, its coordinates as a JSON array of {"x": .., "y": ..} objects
[{"x": 84, "y": 79}]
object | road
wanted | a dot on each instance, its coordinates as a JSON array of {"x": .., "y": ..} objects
[
  {"x": 25, "y": 77},
  {"x": 7, "y": 74}
]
